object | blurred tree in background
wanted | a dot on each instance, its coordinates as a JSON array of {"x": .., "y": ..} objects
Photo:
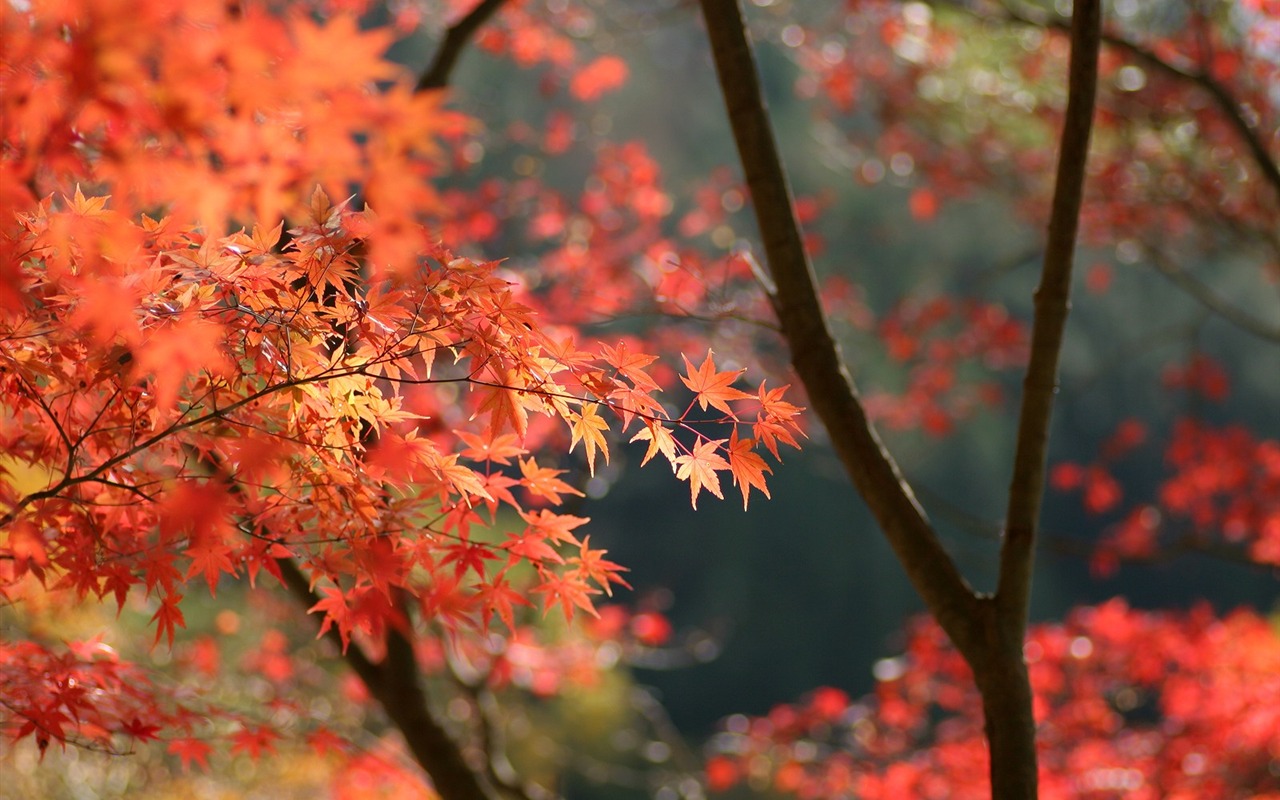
[{"x": 359, "y": 407}]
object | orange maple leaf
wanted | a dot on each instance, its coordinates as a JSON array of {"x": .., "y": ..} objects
[
  {"x": 543, "y": 482},
  {"x": 631, "y": 365},
  {"x": 210, "y": 555},
  {"x": 593, "y": 565},
  {"x": 586, "y": 428},
  {"x": 173, "y": 352},
  {"x": 747, "y": 466},
  {"x": 567, "y": 591},
  {"x": 699, "y": 468},
  {"x": 713, "y": 388},
  {"x": 660, "y": 441}
]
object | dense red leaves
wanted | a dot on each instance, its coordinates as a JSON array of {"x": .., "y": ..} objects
[
  {"x": 1221, "y": 486},
  {"x": 1130, "y": 704},
  {"x": 946, "y": 345},
  {"x": 155, "y": 97},
  {"x": 82, "y": 695},
  {"x": 187, "y": 406}
]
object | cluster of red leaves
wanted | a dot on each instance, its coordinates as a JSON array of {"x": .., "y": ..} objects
[
  {"x": 202, "y": 405},
  {"x": 1222, "y": 484},
  {"x": 554, "y": 36},
  {"x": 1129, "y": 703},
  {"x": 152, "y": 98},
  {"x": 83, "y": 695},
  {"x": 945, "y": 342},
  {"x": 968, "y": 97}
]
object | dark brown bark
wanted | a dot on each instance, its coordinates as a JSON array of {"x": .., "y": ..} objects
[
  {"x": 814, "y": 353},
  {"x": 1052, "y": 302},
  {"x": 394, "y": 684},
  {"x": 1006, "y": 695},
  {"x": 436, "y": 75},
  {"x": 988, "y": 631}
]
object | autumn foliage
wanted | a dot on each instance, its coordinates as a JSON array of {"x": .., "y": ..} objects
[
  {"x": 248, "y": 343},
  {"x": 188, "y": 401},
  {"x": 1130, "y": 704}
]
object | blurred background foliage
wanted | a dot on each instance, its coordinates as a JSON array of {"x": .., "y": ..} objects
[{"x": 801, "y": 591}]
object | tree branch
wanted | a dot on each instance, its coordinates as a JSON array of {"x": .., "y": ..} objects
[
  {"x": 1247, "y": 131},
  {"x": 394, "y": 684},
  {"x": 437, "y": 74},
  {"x": 1211, "y": 300},
  {"x": 814, "y": 352},
  {"x": 1052, "y": 302}
]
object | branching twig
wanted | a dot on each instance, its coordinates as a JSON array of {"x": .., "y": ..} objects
[
  {"x": 1211, "y": 300},
  {"x": 436, "y": 76},
  {"x": 1226, "y": 102}
]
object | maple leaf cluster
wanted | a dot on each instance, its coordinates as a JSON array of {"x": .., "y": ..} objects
[
  {"x": 1221, "y": 490},
  {"x": 1129, "y": 704},
  {"x": 340, "y": 391}
]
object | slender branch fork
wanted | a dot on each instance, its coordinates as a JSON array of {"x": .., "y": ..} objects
[
  {"x": 987, "y": 629},
  {"x": 437, "y": 74}
]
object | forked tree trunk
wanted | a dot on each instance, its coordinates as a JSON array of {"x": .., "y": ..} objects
[{"x": 988, "y": 630}]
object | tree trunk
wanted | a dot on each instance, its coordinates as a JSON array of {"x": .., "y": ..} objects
[
  {"x": 394, "y": 683},
  {"x": 987, "y": 630}
]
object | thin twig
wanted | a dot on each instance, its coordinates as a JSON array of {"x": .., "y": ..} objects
[
  {"x": 436, "y": 75},
  {"x": 1211, "y": 300},
  {"x": 1052, "y": 301},
  {"x": 1226, "y": 102}
]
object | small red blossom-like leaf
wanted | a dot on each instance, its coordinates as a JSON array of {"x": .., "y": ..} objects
[
  {"x": 254, "y": 742},
  {"x": 923, "y": 204},
  {"x": 191, "y": 751},
  {"x": 168, "y": 617},
  {"x": 323, "y": 741},
  {"x": 336, "y": 612},
  {"x": 210, "y": 557},
  {"x": 1101, "y": 491},
  {"x": 567, "y": 591},
  {"x": 722, "y": 773},
  {"x": 1097, "y": 278},
  {"x": 651, "y": 629},
  {"x": 142, "y": 731},
  {"x": 1066, "y": 476},
  {"x": 598, "y": 78},
  {"x": 499, "y": 597}
]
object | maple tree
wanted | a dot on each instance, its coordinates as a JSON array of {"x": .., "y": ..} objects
[{"x": 214, "y": 369}]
